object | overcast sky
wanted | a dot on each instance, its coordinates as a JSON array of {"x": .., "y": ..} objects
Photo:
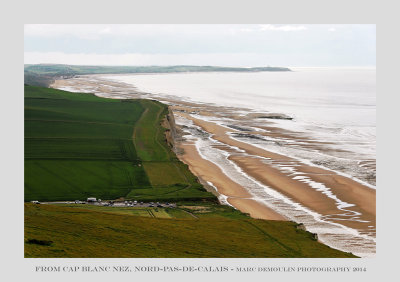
[{"x": 223, "y": 45}]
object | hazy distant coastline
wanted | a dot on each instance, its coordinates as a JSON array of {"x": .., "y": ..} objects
[{"x": 46, "y": 74}]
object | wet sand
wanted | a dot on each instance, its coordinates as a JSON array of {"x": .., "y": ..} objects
[
  {"x": 336, "y": 198},
  {"x": 236, "y": 195},
  {"x": 347, "y": 190}
]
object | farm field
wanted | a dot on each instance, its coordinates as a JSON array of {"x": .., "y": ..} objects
[
  {"x": 79, "y": 146},
  {"x": 198, "y": 209},
  {"x": 143, "y": 211},
  {"x": 56, "y": 231}
]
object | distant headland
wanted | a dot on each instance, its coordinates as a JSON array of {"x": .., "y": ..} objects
[{"x": 45, "y": 74}]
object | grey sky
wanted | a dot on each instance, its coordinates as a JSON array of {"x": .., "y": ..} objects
[{"x": 227, "y": 45}]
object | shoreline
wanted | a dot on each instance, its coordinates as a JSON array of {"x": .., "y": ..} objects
[
  {"x": 346, "y": 202},
  {"x": 347, "y": 190},
  {"x": 336, "y": 199},
  {"x": 236, "y": 195}
]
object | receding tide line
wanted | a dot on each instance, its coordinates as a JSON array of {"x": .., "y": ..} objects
[
  {"x": 337, "y": 237},
  {"x": 223, "y": 199},
  {"x": 222, "y": 123},
  {"x": 333, "y": 234},
  {"x": 303, "y": 161}
]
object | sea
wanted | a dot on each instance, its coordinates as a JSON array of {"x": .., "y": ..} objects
[
  {"x": 332, "y": 107},
  {"x": 323, "y": 117}
]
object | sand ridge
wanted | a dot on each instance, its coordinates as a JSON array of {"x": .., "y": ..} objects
[{"x": 346, "y": 189}]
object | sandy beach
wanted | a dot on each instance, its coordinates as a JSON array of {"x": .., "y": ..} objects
[
  {"x": 237, "y": 195},
  {"x": 340, "y": 209},
  {"x": 346, "y": 189}
]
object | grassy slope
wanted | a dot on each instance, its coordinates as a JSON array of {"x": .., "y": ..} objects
[
  {"x": 76, "y": 232},
  {"x": 80, "y": 145},
  {"x": 169, "y": 177}
]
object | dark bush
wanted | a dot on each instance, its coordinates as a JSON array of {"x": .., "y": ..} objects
[{"x": 39, "y": 242}]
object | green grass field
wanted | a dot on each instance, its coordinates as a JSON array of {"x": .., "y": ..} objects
[
  {"x": 79, "y": 145},
  {"x": 55, "y": 231},
  {"x": 143, "y": 211}
]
